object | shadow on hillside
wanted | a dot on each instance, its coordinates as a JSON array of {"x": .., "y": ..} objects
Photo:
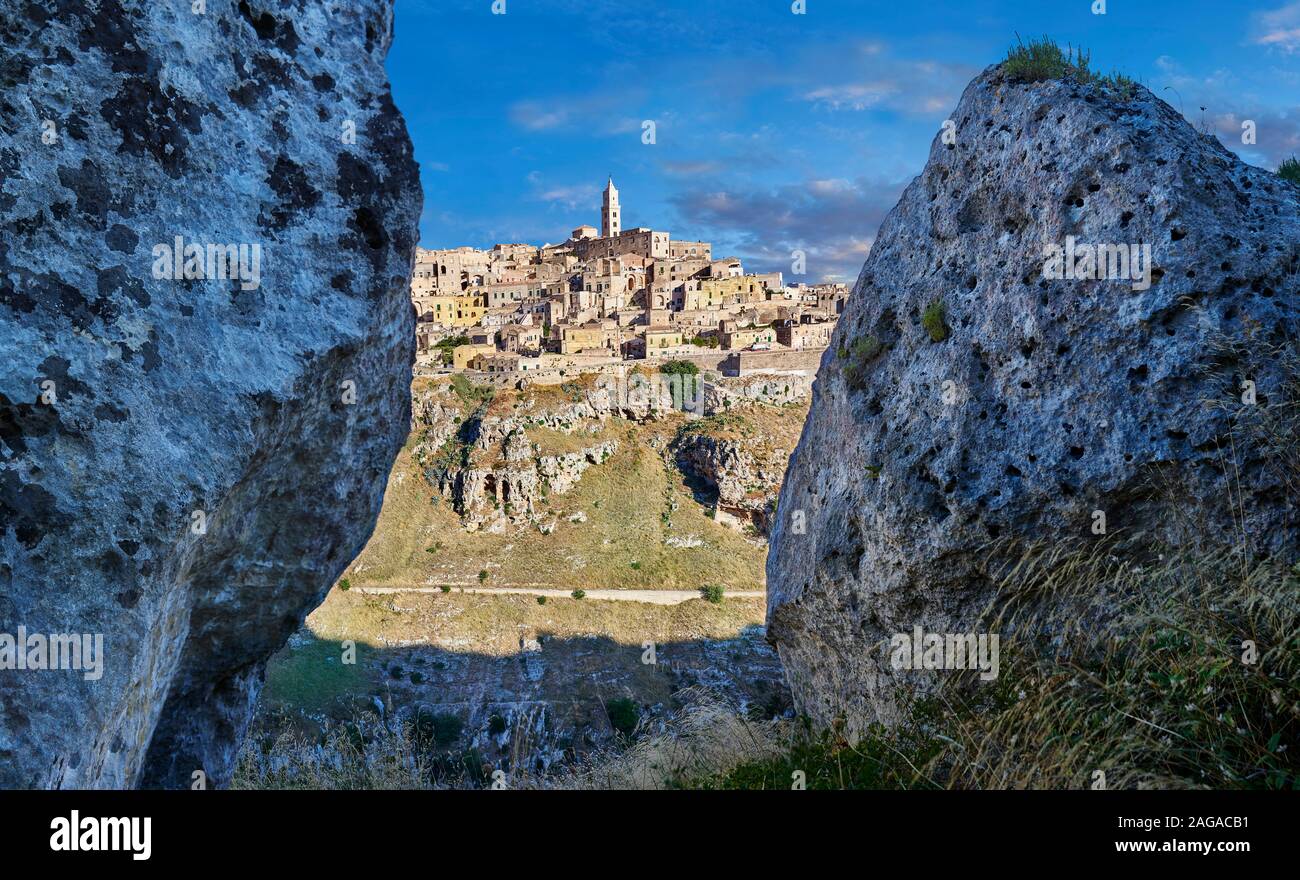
[{"x": 548, "y": 705}]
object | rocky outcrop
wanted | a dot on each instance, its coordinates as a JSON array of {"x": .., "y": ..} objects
[
  {"x": 774, "y": 389},
  {"x": 736, "y": 459},
  {"x": 744, "y": 487},
  {"x": 978, "y": 397},
  {"x": 479, "y": 456},
  {"x": 511, "y": 491},
  {"x": 209, "y": 222}
]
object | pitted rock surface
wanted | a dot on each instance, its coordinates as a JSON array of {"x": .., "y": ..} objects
[
  {"x": 922, "y": 461},
  {"x": 187, "y": 465}
]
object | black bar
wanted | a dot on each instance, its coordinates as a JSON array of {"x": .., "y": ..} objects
[{"x": 336, "y": 829}]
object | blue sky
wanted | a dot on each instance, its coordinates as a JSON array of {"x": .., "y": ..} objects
[{"x": 774, "y": 131}]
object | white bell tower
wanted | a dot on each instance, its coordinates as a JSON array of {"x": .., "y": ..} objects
[{"x": 610, "y": 223}]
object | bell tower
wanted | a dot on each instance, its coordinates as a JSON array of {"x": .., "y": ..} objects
[{"x": 610, "y": 223}]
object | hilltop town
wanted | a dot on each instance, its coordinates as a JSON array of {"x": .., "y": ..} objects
[{"x": 604, "y": 297}]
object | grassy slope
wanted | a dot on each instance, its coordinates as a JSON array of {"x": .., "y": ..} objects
[{"x": 625, "y": 501}]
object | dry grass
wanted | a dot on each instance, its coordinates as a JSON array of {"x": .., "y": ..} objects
[
  {"x": 365, "y": 755},
  {"x": 493, "y": 624},
  {"x": 1164, "y": 699},
  {"x": 1197, "y": 685},
  {"x": 1131, "y": 668},
  {"x": 633, "y": 503},
  {"x": 708, "y": 737}
]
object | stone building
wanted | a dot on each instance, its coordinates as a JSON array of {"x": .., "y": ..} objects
[
  {"x": 746, "y": 337},
  {"x": 520, "y": 339},
  {"x": 811, "y": 334},
  {"x": 591, "y": 336},
  {"x": 609, "y": 292},
  {"x": 660, "y": 337}
]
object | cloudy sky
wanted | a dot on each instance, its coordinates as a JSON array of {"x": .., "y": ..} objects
[{"x": 773, "y": 131}]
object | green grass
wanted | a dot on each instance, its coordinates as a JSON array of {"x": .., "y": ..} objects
[
  {"x": 858, "y": 357},
  {"x": 934, "y": 320},
  {"x": 313, "y": 675},
  {"x": 712, "y": 593},
  {"x": 1289, "y": 170},
  {"x": 1043, "y": 59},
  {"x": 823, "y": 762}
]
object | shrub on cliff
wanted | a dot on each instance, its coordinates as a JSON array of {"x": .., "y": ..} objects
[
  {"x": 679, "y": 368},
  {"x": 623, "y": 715},
  {"x": 858, "y": 356}
]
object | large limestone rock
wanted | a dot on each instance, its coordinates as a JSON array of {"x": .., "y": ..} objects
[
  {"x": 1048, "y": 399},
  {"x": 186, "y": 465}
]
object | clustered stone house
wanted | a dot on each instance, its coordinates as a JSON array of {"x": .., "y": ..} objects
[{"x": 614, "y": 294}]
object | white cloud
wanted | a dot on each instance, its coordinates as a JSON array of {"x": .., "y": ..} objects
[
  {"x": 851, "y": 96},
  {"x": 1278, "y": 28}
]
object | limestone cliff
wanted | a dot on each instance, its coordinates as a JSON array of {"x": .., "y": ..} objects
[
  {"x": 209, "y": 222},
  {"x": 494, "y": 457},
  {"x": 737, "y": 456},
  {"x": 978, "y": 397}
]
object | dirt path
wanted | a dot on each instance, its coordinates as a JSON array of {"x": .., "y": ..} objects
[{"x": 653, "y": 597}]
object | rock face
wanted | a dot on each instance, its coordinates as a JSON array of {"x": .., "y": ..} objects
[
  {"x": 188, "y": 459},
  {"x": 1022, "y": 404},
  {"x": 775, "y": 389},
  {"x": 738, "y": 462},
  {"x": 479, "y": 456}
]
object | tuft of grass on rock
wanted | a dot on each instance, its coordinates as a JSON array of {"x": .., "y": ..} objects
[
  {"x": 862, "y": 352},
  {"x": 1289, "y": 170},
  {"x": 1040, "y": 60},
  {"x": 1043, "y": 59},
  {"x": 934, "y": 320}
]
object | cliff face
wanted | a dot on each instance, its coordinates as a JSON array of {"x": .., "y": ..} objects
[
  {"x": 495, "y": 459},
  {"x": 736, "y": 457},
  {"x": 970, "y": 405},
  {"x": 209, "y": 222}
]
